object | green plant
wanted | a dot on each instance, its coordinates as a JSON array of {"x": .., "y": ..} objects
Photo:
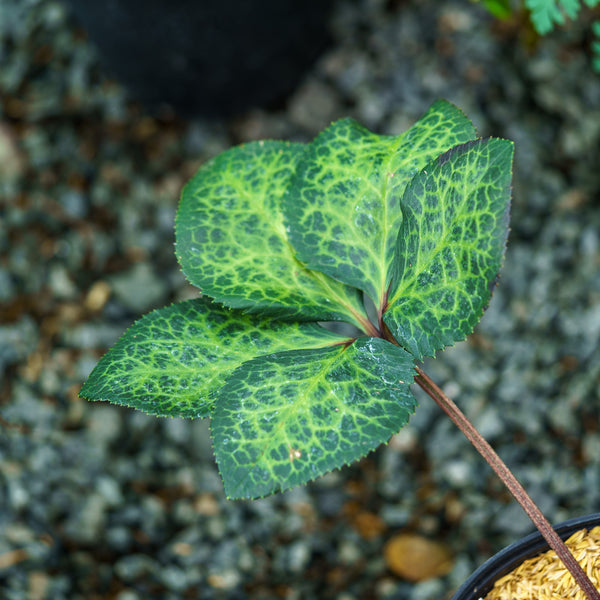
[
  {"x": 546, "y": 14},
  {"x": 501, "y": 9},
  {"x": 596, "y": 45},
  {"x": 402, "y": 237}
]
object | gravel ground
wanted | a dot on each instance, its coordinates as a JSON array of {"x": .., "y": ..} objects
[{"x": 98, "y": 501}]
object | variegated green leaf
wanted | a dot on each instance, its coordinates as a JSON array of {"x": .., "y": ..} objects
[
  {"x": 172, "y": 360},
  {"x": 450, "y": 246},
  {"x": 232, "y": 243},
  {"x": 343, "y": 211},
  {"x": 284, "y": 419}
]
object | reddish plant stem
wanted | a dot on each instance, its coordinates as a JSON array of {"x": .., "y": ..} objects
[{"x": 510, "y": 481}]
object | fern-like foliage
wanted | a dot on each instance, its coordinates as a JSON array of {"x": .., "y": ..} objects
[
  {"x": 596, "y": 46},
  {"x": 545, "y": 14}
]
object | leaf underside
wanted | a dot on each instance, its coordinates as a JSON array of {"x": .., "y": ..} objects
[{"x": 284, "y": 236}]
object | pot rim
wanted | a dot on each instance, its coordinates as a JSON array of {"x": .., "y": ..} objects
[{"x": 482, "y": 580}]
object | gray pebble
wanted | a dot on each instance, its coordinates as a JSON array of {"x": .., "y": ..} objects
[
  {"x": 135, "y": 566},
  {"x": 139, "y": 289}
]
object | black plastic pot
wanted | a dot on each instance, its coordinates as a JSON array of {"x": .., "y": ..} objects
[
  {"x": 207, "y": 57},
  {"x": 482, "y": 580}
]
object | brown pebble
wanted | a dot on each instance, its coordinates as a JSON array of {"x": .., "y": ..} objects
[
  {"x": 416, "y": 558},
  {"x": 369, "y": 525},
  {"x": 97, "y": 296}
]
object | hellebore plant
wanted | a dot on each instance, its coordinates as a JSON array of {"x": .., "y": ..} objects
[{"x": 401, "y": 236}]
